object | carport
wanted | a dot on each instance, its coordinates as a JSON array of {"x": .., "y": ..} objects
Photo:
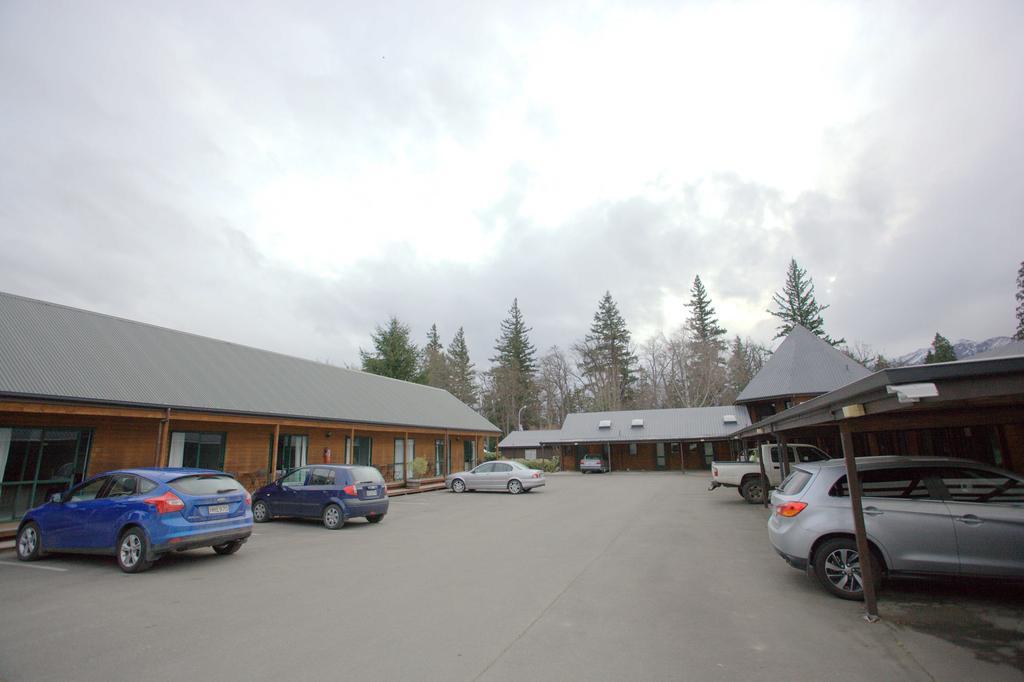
[{"x": 972, "y": 409}]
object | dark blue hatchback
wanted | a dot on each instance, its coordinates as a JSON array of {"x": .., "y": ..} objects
[
  {"x": 333, "y": 493},
  {"x": 140, "y": 514}
]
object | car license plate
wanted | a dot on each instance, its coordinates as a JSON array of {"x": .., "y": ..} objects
[
  {"x": 217, "y": 509},
  {"x": 370, "y": 492}
]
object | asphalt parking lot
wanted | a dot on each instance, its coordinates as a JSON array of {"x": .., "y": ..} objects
[{"x": 635, "y": 576}]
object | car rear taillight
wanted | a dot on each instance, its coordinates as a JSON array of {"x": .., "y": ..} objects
[
  {"x": 349, "y": 490},
  {"x": 166, "y": 503},
  {"x": 248, "y": 498},
  {"x": 714, "y": 471},
  {"x": 788, "y": 509},
  {"x": 536, "y": 474}
]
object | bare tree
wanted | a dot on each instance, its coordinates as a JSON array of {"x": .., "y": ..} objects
[{"x": 558, "y": 386}]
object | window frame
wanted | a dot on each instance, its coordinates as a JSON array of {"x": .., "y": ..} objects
[{"x": 223, "y": 446}]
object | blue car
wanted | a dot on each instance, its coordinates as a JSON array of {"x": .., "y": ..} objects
[
  {"x": 333, "y": 493},
  {"x": 138, "y": 515}
]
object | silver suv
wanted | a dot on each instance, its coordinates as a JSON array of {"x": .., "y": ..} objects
[{"x": 937, "y": 516}]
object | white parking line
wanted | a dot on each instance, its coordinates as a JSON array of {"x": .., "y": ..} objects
[{"x": 22, "y": 564}]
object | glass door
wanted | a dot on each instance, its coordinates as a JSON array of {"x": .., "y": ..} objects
[
  {"x": 709, "y": 454},
  {"x": 36, "y": 463},
  {"x": 399, "y": 459},
  {"x": 467, "y": 454},
  {"x": 438, "y": 455},
  {"x": 291, "y": 451},
  {"x": 660, "y": 459}
]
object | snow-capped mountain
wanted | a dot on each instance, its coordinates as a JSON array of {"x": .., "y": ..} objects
[{"x": 964, "y": 348}]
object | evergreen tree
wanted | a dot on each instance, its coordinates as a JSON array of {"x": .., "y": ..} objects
[
  {"x": 394, "y": 353},
  {"x": 941, "y": 350},
  {"x": 510, "y": 381},
  {"x": 609, "y": 364},
  {"x": 435, "y": 369},
  {"x": 1019, "y": 335},
  {"x": 461, "y": 375},
  {"x": 881, "y": 362},
  {"x": 513, "y": 344},
  {"x": 706, "y": 376},
  {"x": 703, "y": 324},
  {"x": 739, "y": 371},
  {"x": 796, "y": 304}
]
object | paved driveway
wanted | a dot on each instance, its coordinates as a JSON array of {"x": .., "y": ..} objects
[{"x": 622, "y": 576}]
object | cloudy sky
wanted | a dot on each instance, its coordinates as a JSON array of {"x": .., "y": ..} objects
[{"x": 288, "y": 175}]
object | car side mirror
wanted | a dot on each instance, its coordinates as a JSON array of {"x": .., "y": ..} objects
[{"x": 57, "y": 498}]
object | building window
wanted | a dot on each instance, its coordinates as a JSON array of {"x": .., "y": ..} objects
[
  {"x": 438, "y": 458},
  {"x": 632, "y": 448},
  {"x": 197, "y": 449},
  {"x": 36, "y": 463},
  {"x": 360, "y": 452},
  {"x": 291, "y": 451}
]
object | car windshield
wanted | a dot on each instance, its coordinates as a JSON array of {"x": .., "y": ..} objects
[
  {"x": 205, "y": 484},
  {"x": 365, "y": 475}
]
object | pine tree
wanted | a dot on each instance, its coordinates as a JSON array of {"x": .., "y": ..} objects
[
  {"x": 881, "y": 362},
  {"x": 510, "y": 381},
  {"x": 394, "y": 353},
  {"x": 738, "y": 370},
  {"x": 513, "y": 344},
  {"x": 706, "y": 377},
  {"x": 609, "y": 364},
  {"x": 796, "y": 304},
  {"x": 941, "y": 350},
  {"x": 435, "y": 370},
  {"x": 1019, "y": 336},
  {"x": 461, "y": 375},
  {"x": 703, "y": 324}
]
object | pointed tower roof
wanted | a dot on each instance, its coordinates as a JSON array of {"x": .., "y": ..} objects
[{"x": 803, "y": 364}]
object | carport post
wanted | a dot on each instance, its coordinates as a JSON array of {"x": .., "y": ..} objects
[
  {"x": 783, "y": 456},
  {"x": 273, "y": 454},
  {"x": 853, "y": 482},
  {"x": 764, "y": 476}
]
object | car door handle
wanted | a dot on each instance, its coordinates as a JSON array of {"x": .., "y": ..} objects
[
  {"x": 969, "y": 520},
  {"x": 873, "y": 511}
]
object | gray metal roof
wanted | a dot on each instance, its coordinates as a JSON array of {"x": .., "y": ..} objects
[
  {"x": 803, "y": 364},
  {"x": 56, "y": 352},
  {"x": 528, "y": 439},
  {"x": 986, "y": 378},
  {"x": 1012, "y": 348},
  {"x": 687, "y": 423}
]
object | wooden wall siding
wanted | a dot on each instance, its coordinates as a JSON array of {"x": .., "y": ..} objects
[
  {"x": 116, "y": 443},
  {"x": 127, "y": 440}
]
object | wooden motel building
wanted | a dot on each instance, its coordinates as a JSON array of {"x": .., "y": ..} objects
[
  {"x": 82, "y": 393},
  {"x": 810, "y": 392}
]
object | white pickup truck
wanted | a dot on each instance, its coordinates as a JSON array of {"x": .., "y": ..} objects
[{"x": 745, "y": 475}]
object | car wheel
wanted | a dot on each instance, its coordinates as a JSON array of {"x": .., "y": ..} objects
[
  {"x": 515, "y": 486},
  {"x": 333, "y": 518},
  {"x": 752, "y": 491},
  {"x": 376, "y": 518},
  {"x": 29, "y": 542},
  {"x": 132, "y": 550},
  {"x": 228, "y": 547},
  {"x": 458, "y": 486},
  {"x": 837, "y": 567},
  {"x": 260, "y": 512}
]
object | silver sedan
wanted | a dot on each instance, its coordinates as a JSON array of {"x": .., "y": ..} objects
[{"x": 510, "y": 476}]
